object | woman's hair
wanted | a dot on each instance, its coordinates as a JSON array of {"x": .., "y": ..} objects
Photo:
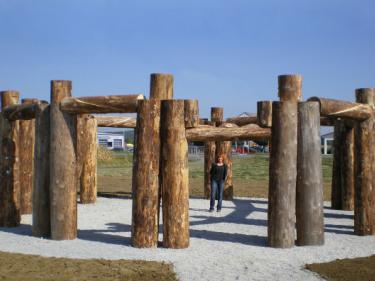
[{"x": 220, "y": 155}]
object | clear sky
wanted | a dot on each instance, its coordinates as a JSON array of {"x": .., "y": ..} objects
[{"x": 223, "y": 53}]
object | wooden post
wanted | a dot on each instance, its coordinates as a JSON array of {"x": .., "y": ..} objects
[
  {"x": 283, "y": 163},
  {"x": 309, "y": 197},
  {"x": 175, "y": 175},
  {"x": 223, "y": 148},
  {"x": 63, "y": 171},
  {"x": 342, "y": 196},
  {"x": 145, "y": 189},
  {"x": 209, "y": 158},
  {"x": 10, "y": 215},
  {"x": 146, "y": 161},
  {"x": 264, "y": 114},
  {"x": 86, "y": 157},
  {"x": 26, "y": 152},
  {"x": 41, "y": 226},
  {"x": 364, "y": 204},
  {"x": 191, "y": 113}
]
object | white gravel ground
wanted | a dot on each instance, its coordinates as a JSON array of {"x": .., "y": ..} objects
[{"x": 224, "y": 246}]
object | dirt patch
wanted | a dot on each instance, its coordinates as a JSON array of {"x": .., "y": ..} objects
[
  {"x": 360, "y": 269},
  {"x": 14, "y": 267}
]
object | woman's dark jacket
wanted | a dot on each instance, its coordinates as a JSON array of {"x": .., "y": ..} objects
[{"x": 218, "y": 173}]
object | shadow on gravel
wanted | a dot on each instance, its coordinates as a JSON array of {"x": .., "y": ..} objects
[
  {"x": 107, "y": 235},
  {"x": 23, "y": 229}
]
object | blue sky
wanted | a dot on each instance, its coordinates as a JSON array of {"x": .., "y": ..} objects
[{"x": 223, "y": 53}]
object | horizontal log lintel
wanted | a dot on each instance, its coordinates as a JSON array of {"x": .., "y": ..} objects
[
  {"x": 101, "y": 104},
  {"x": 25, "y": 111},
  {"x": 343, "y": 109},
  {"x": 207, "y": 133},
  {"x": 241, "y": 121},
  {"x": 116, "y": 122}
]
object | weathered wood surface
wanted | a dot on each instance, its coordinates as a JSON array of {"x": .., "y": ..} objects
[
  {"x": 325, "y": 121},
  {"x": 217, "y": 115},
  {"x": 241, "y": 121},
  {"x": 161, "y": 86},
  {"x": 282, "y": 175},
  {"x": 63, "y": 170},
  {"x": 342, "y": 109},
  {"x": 364, "y": 204},
  {"x": 343, "y": 174},
  {"x": 290, "y": 87},
  {"x": 41, "y": 226},
  {"x": 205, "y": 133},
  {"x": 145, "y": 187},
  {"x": 175, "y": 172},
  {"x": 116, "y": 122},
  {"x": 24, "y": 111},
  {"x": 10, "y": 213},
  {"x": 264, "y": 114},
  {"x": 26, "y": 153},
  {"x": 86, "y": 158},
  {"x": 191, "y": 113},
  {"x": 309, "y": 195},
  {"x": 209, "y": 159},
  {"x": 102, "y": 104},
  {"x": 283, "y": 163}
]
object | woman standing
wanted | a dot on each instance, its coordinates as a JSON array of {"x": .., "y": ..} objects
[{"x": 218, "y": 174}]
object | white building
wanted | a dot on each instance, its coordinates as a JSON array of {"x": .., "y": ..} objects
[
  {"x": 111, "y": 140},
  {"x": 327, "y": 143}
]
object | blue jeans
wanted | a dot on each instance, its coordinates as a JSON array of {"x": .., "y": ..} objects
[{"x": 216, "y": 187}]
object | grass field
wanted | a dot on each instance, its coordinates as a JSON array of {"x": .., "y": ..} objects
[{"x": 250, "y": 175}]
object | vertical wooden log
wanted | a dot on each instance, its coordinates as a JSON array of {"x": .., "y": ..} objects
[
  {"x": 41, "y": 226},
  {"x": 309, "y": 196},
  {"x": 26, "y": 148},
  {"x": 264, "y": 114},
  {"x": 145, "y": 188},
  {"x": 10, "y": 214},
  {"x": 161, "y": 86},
  {"x": 223, "y": 148},
  {"x": 86, "y": 157},
  {"x": 191, "y": 113},
  {"x": 209, "y": 158},
  {"x": 63, "y": 170},
  {"x": 337, "y": 182},
  {"x": 283, "y": 164},
  {"x": 364, "y": 204},
  {"x": 175, "y": 175},
  {"x": 348, "y": 168}
]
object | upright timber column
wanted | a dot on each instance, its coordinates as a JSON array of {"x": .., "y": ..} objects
[
  {"x": 209, "y": 158},
  {"x": 10, "y": 213},
  {"x": 63, "y": 178},
  {"x": 86, "y": 157},
  {"x": 145, "y": 188},
  {"x": 146, "y": 161},
  {"x": 41, "y": 200},
  {"x": 174, "y": 162},
  {"x": 364, "y": 204},
  {"x": 26, "y": 145},
  {"x": 342, "y": 196},
  {"x": 309, "y": 198},
  {"x": 283, "y": 163}
]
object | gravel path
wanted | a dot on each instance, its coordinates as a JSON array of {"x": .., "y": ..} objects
[{"x": 224, "y": 246}]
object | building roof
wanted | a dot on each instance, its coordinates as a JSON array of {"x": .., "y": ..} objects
[
  {"x": 247, "y": 114},
  {"x": 327, "y": 136}
]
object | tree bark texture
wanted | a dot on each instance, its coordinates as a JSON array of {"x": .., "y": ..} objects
[
  {"x": 242, "y": 121},
  {"x": 364, "y": 209},
  {"x": 174, "y": 158},
  {"x": 86, "y": 158},
  {"x": 145, "y": 188},
  {"x": 25, "y": 111},
  {"x": 337, "y": 179},
  {"x": 161, "y": 86},
  {"x": 63, "y": 170},
  {"x": 116, "y": 122},
  {"x": 102, "y": 104},
  {"x": 209, "y": 159},
  {"x": 10, "y": 205},
  {"x": 264, "y": 114},
  {"x": 191, "y": 113},
  {"x": 343, "y": 109},
  {"x": 224, "y": 134},
  {"x": 309, "y": 196},
  {"x": 290, "y": 88},
  {"x": 282, "y": 175},
  {"x": 41, "y": 226},
  {"x": 26, "y": 148}
]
